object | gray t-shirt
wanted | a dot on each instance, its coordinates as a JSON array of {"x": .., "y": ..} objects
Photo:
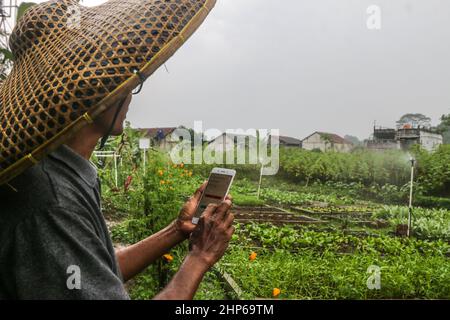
[{"x": 54, "y": 243}]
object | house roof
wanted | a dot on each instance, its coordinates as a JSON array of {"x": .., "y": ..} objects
[
  {"x": 282, "y": 139},
  {"x": 289, "y": 140},
  {"x": 157, "y": 132},
  {"x": 232, "y": 136},
  {"x": 332, "y": 136}
]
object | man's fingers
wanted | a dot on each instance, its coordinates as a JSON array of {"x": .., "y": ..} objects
[
  {"x": 221, "y": 210},
  {"x": 198, "y": 193},
  {"x": 209, "y": 211},
  {"x": 229, "y": 219},
  {"x": 218, "y": 212},
  {"x": 230, "y": 232},
  {"x": 229, "y": 197}
]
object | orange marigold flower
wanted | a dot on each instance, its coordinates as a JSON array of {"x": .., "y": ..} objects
[
  {"x": 276, "y": 292},
  {"x": 190, "y": 173},
  {"x": 160, "y": 172},
  {"x": 253, "y": 256},
  {"x": 168, "y": 257},
  {"x": 182, "y": 165},
  {"x": 162, "y": 182}
]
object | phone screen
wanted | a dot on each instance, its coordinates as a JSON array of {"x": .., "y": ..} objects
[{"x": 215, "y": 192}]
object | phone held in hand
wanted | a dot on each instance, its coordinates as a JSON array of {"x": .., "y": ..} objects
[{"x": 219, "y": 184}]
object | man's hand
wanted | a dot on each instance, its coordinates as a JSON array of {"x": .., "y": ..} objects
[
  {"x": 214, "y": 231},
  {"x": 208, "y": 244},
  {"x": 184, "y": 223}
]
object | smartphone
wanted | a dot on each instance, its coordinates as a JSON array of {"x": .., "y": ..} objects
[{"x": 217, "y": 188}]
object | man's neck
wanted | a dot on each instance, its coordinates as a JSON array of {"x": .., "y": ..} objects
[{"x": 84, "y": 141}]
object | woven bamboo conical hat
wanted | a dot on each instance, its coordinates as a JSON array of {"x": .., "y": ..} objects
[{"x": 73, "y": 62}]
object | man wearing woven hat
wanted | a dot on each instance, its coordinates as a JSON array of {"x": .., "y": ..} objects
[{"x": 71, "y": 84}]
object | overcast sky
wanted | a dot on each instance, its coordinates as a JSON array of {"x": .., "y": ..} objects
[{"x": 303, "y": 66}]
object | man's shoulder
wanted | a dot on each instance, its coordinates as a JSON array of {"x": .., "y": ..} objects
[
  {"x": 33, "y": 187},
  {"x": 35, "y": 190},
  {"x": 25, "y": 195}
]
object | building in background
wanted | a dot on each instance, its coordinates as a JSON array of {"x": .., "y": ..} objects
[
  {"x": 384, "y": 139},
  {"x": 404, "y": 137},
  {"x": 229, "y": 142},
  {"x": 285, "y": 141},
  {"x": 290, "y": 142},
  {"x": 160, "y": 137},
  {"x": 324, "y": 141}
]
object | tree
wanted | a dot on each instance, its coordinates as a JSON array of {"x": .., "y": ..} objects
[
  {"x": 6, "y": 61},
  {"x": 328, "y": 140},
  {"x": 444, "y": 128},
  {"x": 414, "y": 119},
  {"x": 23, "y": 7},
  {"x": 354, "y": 140}
]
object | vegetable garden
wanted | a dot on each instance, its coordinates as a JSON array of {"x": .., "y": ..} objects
[{"x": 315, "y": 232}]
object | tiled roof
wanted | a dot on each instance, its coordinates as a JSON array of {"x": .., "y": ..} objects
[{"x": 334, "y": 138}]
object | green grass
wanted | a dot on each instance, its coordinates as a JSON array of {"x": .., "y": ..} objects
[
  {"x": 308, "y": 264},
  {"x": 324, "y": 266},
  {"x": 329, "y": 275},
  {"x": 247, "y": 200},
  {"x": 427, "y": 223}
]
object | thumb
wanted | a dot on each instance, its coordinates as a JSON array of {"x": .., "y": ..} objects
[{"x": 198, "y": 193}]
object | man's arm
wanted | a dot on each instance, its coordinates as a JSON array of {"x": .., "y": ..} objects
[
  {"x": 135, "y": 258},
  {"x": 186, "y": 281}
]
